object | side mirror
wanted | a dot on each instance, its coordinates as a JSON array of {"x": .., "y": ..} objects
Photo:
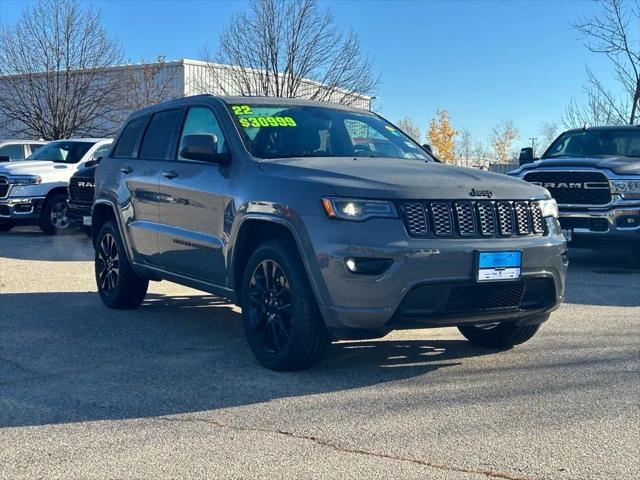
[
  {"x": 92, "y": 163},
  {"x": 428, "y": 148},
  {"x": 5, "y": 159},
  {"x": 526, "y": 156},
  {"x": 204, "y": 148}
]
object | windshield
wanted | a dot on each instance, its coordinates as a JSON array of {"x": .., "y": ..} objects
[
  {"x": 62, "y": 151},
  {"x": 595, "y": 143},
  {"x": 281, "y": 131}
]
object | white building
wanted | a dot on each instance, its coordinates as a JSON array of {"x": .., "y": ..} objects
[{"x": 149, "y": 83}]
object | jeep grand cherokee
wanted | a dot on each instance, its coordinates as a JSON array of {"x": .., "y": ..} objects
[{"x": 322, "y": 222}]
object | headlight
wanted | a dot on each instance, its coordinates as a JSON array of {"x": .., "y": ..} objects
[
  {"x": 626, "y": 188},
  {"x": 549, "y": 208},
  {"x": 25, "y": 180},
  {"x": 358, "y": 210}
]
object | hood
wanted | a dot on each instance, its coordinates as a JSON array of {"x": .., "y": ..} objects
[
  {"x": 401, "y": 178},
  {"x": 32, "y": 167},
  {"x": 618, "y": 165}
]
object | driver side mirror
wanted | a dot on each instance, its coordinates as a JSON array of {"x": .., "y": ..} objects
[
  {"x": 526, "y": 156},
  {"x": 204, "y": 148},
  {"x": 429, "y": 150}
]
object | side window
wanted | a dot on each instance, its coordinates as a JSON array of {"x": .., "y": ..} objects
[
  {"x": 158, "y": 135},
  {"x": 35, "y": 146},
  {"x": 201, "y": 120},
  {"x": 101, "y": 152},
  {"x": 129, "y": 138},
  {"x": 14, "y": 152}
]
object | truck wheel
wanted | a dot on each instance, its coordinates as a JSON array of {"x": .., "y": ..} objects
[
  {"x": 6, "y": 226},
  {"x": 118, "y": 285},
  {"x": 53, "y": 217},
  {"x": 282, "y": 323},
  {"x": 499, "y": 335}
]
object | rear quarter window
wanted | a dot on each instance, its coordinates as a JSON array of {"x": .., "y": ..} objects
[{"x": 129, "y": 138}]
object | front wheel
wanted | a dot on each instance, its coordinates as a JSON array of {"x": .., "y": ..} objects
[
  {"x": 499, "y": 335},
  {"x": 118, "y": 284},
  {"x": 282, "y": 323},
  {"x": 53, "y": 218}
]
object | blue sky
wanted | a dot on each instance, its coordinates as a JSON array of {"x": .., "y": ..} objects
[{"x": 483, "y": 61}]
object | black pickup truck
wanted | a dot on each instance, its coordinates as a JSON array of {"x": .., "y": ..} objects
[
  {"x": 594, "y": 175},
  {"x": 80, "y": 202}
]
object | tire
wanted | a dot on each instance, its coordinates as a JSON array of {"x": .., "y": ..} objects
[
  {"x": 6, "y": 226},
  {"x": 53, "y": 218},
  {"x": 500, "y": 335},
  {"x": 118, "y": 285},
  {"x": 290, "y": 335}
]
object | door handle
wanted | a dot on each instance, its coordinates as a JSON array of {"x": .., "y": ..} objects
[
  {"x": 171, "y": 174},
  {"x": 126, "y": 170}
]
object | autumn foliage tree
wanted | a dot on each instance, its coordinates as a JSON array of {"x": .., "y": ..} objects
[
  {"x": 502, "y": 137},
  {"x": 442, "y": 136}
]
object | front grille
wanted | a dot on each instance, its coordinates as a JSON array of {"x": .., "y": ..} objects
[
  {"x": 81, "y": 194},
  {"x": 4, "y": 187},
  {"x": 472, "y": 218},
  {"x": 573, "y": 188},
  {"x": 485, "y": 297}
]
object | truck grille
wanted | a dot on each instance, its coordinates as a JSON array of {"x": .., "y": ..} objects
[
  {"x": 472, "y": 218},
  {"x": 573, "y": 188},
  {"x": 4, "y": 187},
  {"x": 79, "y": 192}
]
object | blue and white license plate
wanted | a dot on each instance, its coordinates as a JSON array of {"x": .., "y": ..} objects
[
  {"x": 86, "y": 221},
  {"x": 496, "y": 266}
]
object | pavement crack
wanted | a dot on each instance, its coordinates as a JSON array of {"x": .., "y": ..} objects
[{"x": 487, "y": 472}]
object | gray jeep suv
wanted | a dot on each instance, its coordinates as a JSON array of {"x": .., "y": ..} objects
[{"x": 322, "y": 222}]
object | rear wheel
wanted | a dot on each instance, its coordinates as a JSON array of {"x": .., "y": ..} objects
[
  {"x": 499, "y": 335},
  {"x": 281, "y": 319},
  {"x": 6, "y": 226},
  {"x": 53, "y": 218},
  {"x": 118, "y": 284}
]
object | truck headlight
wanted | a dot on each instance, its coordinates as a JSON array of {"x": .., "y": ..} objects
[
  {"x": 358, "y": 210},
  {"x": 25, "y": 180},
  {"x": 549, "y": 208},
  {"x": 626, "y": 188}
]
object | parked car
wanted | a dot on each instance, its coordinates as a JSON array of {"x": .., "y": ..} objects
[
  {"x": 35, "y": 192},
  {"x": 81, "y": 191},
  {"x": 594, "y": 175},
  {"x": 16, "y": 150},
  {"x": 272, "y": 204}
]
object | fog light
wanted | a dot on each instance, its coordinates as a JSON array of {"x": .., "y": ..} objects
[{"x": 368, "y": 266}]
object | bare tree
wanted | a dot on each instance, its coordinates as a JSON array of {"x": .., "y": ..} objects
[
  {"x": 274, "y": 46},
  {"x": 502, "y": 137},
  {"x": 548, "y": 132},
  {"x": 464, "y": 147},
  {"x": 148, "y": 84},
  {"x": 408, "y": 126},
  {"x": 616, "y": 34},
  {"x": 52, "y": 63}
]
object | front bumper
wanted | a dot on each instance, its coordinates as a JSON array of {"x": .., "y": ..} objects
[
  {"x": 441, "y": 267},
  {"x": 21, "y": 208},
  {"x": 617, "y": 227},
  {"x": 77, "y": 213}
]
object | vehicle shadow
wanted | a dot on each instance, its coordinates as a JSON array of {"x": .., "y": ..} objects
[
  {"x": 66, "y": 358},
  {"x": 602, "y": 277},
  {"x": 29, "y": 243}
]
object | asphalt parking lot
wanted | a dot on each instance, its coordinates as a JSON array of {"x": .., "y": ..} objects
[{"x": 171, "y": 390}]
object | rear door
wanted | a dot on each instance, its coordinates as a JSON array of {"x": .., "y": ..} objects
[
  {"x": 192, "y": 206},
  {"x": 140, "y": 155}
]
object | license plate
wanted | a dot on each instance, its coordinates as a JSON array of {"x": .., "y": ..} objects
[
  {"x": 567, "y": 234},
  {"x": 496, "y": 266},
  {"x": 86, "y": 221}
]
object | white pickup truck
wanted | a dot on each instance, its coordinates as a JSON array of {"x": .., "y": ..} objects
[{"x": 35, "y": 191}]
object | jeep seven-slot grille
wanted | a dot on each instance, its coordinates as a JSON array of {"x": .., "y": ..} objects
[
  {"x": 472, "y": 218},
  {"x": 573, "y": 188},
  {"x": 4, "y": 187},
  {"x": 79, "y": 192}
]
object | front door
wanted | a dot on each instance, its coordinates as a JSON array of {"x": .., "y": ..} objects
[{"x": 191, "y": 197}]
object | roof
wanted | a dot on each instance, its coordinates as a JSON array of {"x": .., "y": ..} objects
[
  {"x": 607, "y": 127},
  {"x": 21, "y": 140},
  {"x": 95, "y": 140}
]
